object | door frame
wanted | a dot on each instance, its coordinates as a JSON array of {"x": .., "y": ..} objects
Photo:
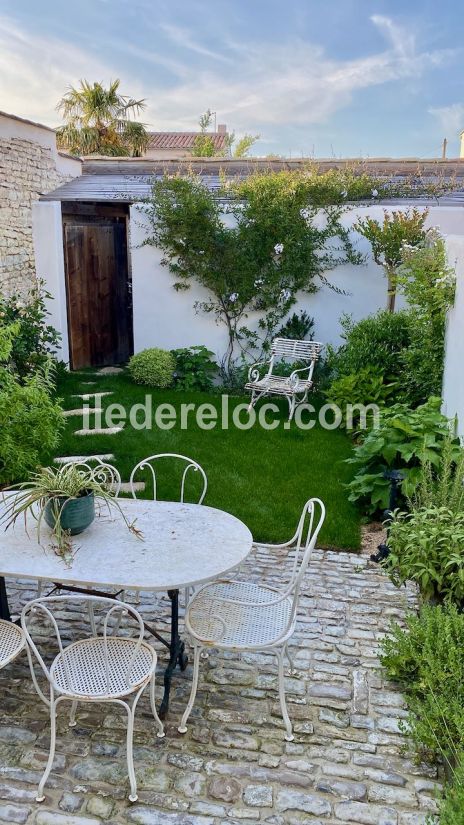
[{"x": 73, "y": 212}]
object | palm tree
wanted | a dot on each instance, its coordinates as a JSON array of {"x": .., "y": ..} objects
[{"x": 100, "y": 121}]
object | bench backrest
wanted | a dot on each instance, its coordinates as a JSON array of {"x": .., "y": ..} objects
[{"x": 298, "y": 350}]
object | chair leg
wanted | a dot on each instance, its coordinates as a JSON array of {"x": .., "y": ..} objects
[
  {"x": 290, "y": 660},
  {"x": 72, "y": 715},
  {"x": 51, "y": 756},
  {"x": 158, "y": 721},
  {"x": 129, "y": 751},
  {"x": 283, "y": 705},
  {"x": 196, "y": 667},
  {"x": 291, "y": 406}
]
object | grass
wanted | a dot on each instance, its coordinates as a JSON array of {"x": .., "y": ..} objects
[{"x": 261, "y": 476}]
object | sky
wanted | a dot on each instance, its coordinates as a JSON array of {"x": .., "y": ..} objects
[{"x": 323, "y": 78}]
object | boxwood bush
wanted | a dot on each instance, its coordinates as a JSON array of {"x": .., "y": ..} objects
[{"x": 153, "y": 367}]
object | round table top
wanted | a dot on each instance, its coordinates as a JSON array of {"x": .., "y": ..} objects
[{"x": 182, "y": 545}]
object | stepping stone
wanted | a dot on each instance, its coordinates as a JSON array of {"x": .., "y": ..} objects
[
  {"x": 99, "y": 431},
  {"x": 80, "y": 411},
  {"x": 76, "y": 459},
  {"x": 88, "y": 395},
  {"x": 109, "y": 371}
]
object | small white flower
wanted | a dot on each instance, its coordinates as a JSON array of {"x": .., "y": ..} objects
[
  {"x": 285, "y": 295},
  {"x": 233, "y": 297},
  {"x": 259, "y": 282},
  {"x": 375, "y": 193},
  {"x": 201, "y": 251},
  {"x": 279, "y": 248},
  {"x": 344, "y": 193},
  {"x": 19, "y": 304}
]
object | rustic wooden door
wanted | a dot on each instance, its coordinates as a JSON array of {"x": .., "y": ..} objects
[{"x": 98, "y": 291}]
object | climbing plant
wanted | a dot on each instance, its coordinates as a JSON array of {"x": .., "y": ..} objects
[{"x": 253, "y": 245}]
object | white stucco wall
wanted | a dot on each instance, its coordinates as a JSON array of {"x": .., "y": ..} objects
[
  {"x": 49, "y": 260},
  {"x": 166, "y": 318},
  {"x": 453, "y": 379}
]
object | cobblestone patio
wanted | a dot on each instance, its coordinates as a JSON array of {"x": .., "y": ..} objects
[{"x": 346, "y": 764}]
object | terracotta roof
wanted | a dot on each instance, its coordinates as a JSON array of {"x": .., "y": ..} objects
[{"x": 184, "y": 140}]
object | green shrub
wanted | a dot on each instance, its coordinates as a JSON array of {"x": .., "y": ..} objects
[
  {"x": 428, "y": 284},
  {"x": 427, "y": 546},
  {"x": 153, "y": 367},
  {"x": 427, "y": 543},
  {"x": 404, "y": 438},
  {"x": 388, "y": 238},
  {"x": 195, "y": 368},
  {"x": 364, "y": 387},
  {"x": 452, "y": 807},
  {"x": 30, "y": 424},
  {"x": 34, "y": 340},
  {"x": 376, "y": 341},
  {"x": 427, "y": 659},
  {"x": 299, "y": 327}
]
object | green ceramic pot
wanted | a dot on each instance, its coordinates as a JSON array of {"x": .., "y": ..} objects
[{"x": 76, "y": 513}]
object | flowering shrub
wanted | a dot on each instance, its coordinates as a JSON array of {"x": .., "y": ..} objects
[
  {"x": 388, "y": 238},
  {"x": 34, "y": 339},
  {"x": 428, "y": 284},
  {"x": 274, "y": 248}
]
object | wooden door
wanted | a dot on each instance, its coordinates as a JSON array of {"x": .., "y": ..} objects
[{"x": 98, "y": 291}]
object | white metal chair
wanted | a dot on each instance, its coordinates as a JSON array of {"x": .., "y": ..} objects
[
  {"x": 109, "y": 667},
  {"x": 12, "y": 642},
  {"x": 294, "y": 387},
  {"x": 241, "y": 615},
  {"x": 148, "y": 464}
]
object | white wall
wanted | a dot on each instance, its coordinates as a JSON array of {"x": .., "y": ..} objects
[
  {"x": 453, "y": 379},
  {"x": 166, "y": 318},
  {"x": 49, "y": 260}
]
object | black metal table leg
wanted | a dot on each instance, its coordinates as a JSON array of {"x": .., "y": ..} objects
[
  {"x": 4, "y": 607},
  {"x": 177, "y": 655}
]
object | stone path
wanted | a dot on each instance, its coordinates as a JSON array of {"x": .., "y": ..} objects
[{"x": 346, "y": 764}]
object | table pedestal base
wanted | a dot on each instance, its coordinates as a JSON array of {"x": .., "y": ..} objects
[
  {"x": 4, "y": 607},
  {"x": 176, "y": 647}
]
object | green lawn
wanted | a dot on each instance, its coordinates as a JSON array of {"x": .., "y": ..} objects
[{"x": 263, "y": 477}]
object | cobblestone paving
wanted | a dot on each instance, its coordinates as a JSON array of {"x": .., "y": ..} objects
[{"x": 346, "y": 764}]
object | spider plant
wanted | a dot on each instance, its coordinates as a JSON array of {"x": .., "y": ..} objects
[{"x": 51, "y": 495}]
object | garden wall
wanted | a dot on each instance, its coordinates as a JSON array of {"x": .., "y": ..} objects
[
  {"x": 166, "y": 318},
  {"x": 453, "y": 379},
  {"x": 29, "y": 165}
]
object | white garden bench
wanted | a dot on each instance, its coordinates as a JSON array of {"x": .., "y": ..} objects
[{"x": 294, "y": 387}]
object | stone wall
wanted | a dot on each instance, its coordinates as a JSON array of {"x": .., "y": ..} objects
[{"x": 29, "y": 166}]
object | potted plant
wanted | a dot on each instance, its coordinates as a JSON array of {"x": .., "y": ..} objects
[{"x": 64, "y": 498}]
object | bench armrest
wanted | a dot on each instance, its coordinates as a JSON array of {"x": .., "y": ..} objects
[{"x": 254, "y": 372}]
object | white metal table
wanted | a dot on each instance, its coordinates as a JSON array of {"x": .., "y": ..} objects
[{"x": 183, "y": 545}]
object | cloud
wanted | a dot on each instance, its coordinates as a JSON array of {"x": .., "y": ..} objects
[
  {"x": 35, "y": 72},
  {"x": 451, "y": 118},
  {"x": 182, "y": 37},
  {"x": 253, "y": 85},
  {"x": 294, "y": 82}
]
